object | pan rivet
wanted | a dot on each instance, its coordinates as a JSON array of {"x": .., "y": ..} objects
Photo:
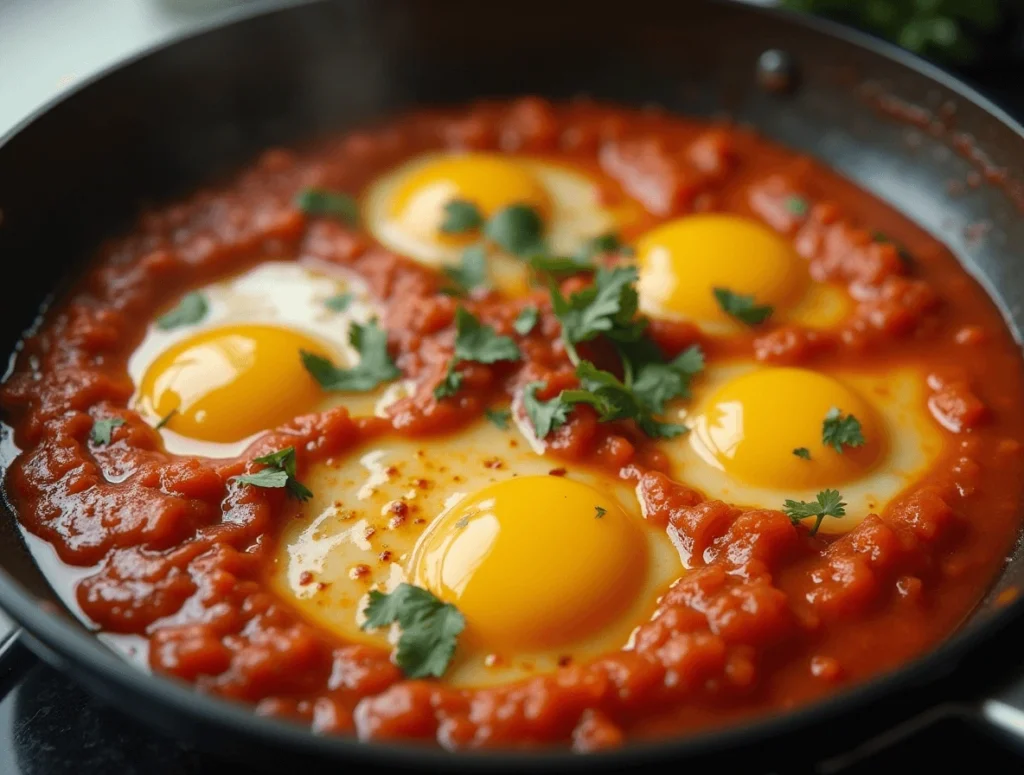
[{"x": 776, "y": 71}]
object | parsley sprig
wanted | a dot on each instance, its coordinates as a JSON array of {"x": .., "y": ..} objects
[
  {"x": 279, "y": 472},
  {"x": 838, "y": 431},
  {"x": 470, "y": 273},
  {"x": 829, "y": 503},
  {"x": 103, "y": 428},
  {"x": 742, "y": 307},
  {"x": 477, "y": 342},
  {"x": 332, "y": 204},
  {"x": 375, "y": 365},
  {"x": 190, "y": 310},
  {"x": 430, "y": 629}
]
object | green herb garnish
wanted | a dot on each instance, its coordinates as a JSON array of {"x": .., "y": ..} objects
[
  {"x": 600, "y": 512},
  {"x": 430, "y": 629},
  {"x": 802, "y": 452},
  {"x": 838, "y": 431},
  {"x": 526, "y": 320},
  {"x": 499, "y": 418},
  {"x": 375, "y": 365},
  {"x": 517, "y": 229},
  {"x": 476, "y": 342},
  {"x": 742, "y": 307},
  {"x": 165, "y": 419},
  {"x": 797, "y": 206},
  {"x": 318, "y": 201},
  {"x": 461, "y": 216},
  {"x": 338, "y": 303},
  {"x": 101, "y": 429},
  {"x": 279, "y": 472},
  {"x": 471, "y": 272},
  {"x": 829, "y": 504},
  {"x": 190, "y": 310},
  {"x": 544, "y": 416}
]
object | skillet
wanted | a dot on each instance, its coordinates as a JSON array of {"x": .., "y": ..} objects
[{"x": 182, "y": 115}]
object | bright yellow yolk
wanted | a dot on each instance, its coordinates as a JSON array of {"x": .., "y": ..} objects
[
  {"x": 533, "y": 561},
  {"x": 226, "y": 384},
  {"x": 490, "y": 182},
  {"x": 682, "y": 262},
  {"x": 750, "y": 427}
]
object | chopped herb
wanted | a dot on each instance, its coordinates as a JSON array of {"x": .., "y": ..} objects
[
  {"x": 838, "y": 431},
  {"x": 375, "y": 365},
  {"x": 559, "y": 266},
  {"x": 658, "y": 383},
  {"x": 476, "y": 342},
  {"x": 499, "y": 418},
  {"x": 165, "y": 419},
  {"x": 802, "y": 452},
  {"x": 829, "y": 504},
  {"x": 608, "y": 306},
  {"x": 797, "y": 206},
  {"x": 318, "y": 201},
  {"x": 544, "y": 416},
  {"x": 430, "y": 629},
  {"x": 461, "y": 216},
  {"x": 338, "y": 303},
  {"x": 517, "y": 229},
  {"x": 600, "y": 512},
  {"x": 190, "y": 310},
  {"x": 101, "y": 429},
  {"x": 742, "y": 307},
  {"x": 526, "y": 320},
  {"x": 471, "y": 272},
  {"x": 279, "y": 472},
  {"x": 603, "y": 243},
  {"x": 451, "y": 383}
]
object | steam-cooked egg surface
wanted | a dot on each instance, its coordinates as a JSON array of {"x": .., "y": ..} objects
[
  {"x": 546, "y": 567},
  {"x": 756, "y": 437},
  {"x": 218, "y": 380}
]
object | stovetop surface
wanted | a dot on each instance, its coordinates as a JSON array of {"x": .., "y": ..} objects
[{"x": 50, "y": 726}]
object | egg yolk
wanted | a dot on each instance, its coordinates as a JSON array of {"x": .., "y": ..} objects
[
  {"x": 226, "y": 384},
  {"x": 490, "y": 182},
  {"x": 683, "y": 261},
  {"x": 751, "y": 426},
  {"x": 533, "y": 561}
]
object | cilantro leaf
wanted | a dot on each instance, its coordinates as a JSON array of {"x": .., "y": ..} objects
[
  {"x": 742, "y": 307},
  {"x": 338, "y": 303},
  {"x": 190, "y": 310},
  {"x": 471, "y": 272},
  {"x": 518, "y": 229},
  {"x": 599, "y": 512},
  {"x": 451, "y": 383},
  {"x": 797, "y": 206},
  {"x": 526, "y": 320},
  {"x": 475, "y": 341},
  {"x": 279, "y": 472},
  {"x": 838, "y": 431},
  {"x": 430, "y": 628},
  {"x": 603, "y": 243},
  {"x": 608, "y": 306},
  {"x": 499, "y": 418},
  {"x": 319, "y": 201},
  {"x": 545, "y": 416},
  {"x": 375, "y": 365},
  {"x": 802, "y": 452},
  {"x": 101, "y": 429},
  {"x": 657, "y": 383},
  {"x": 558, "y": 266},
  {"x": 612, "y": 400},
  {"x": 461, "y": 216},
  {"x": 829, "y": 504}
]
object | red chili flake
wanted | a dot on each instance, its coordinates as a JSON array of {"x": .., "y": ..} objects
[
  {"x": 322, "y": 585},
  {"x": 557, "y": 472},
  {"x": 370, "y": 533},
  {"x": 423, "y": 484},
  {"x": 494, "y": 462},
  {"x": 305, "y": 578},
  {"x": 564, "y": 661},
  {"x": 399, "y": 508},
  {"x": 391, "y": 471},
  {"x": 359, "y": 571},
  {"x": 419, "y": 521},
  {"x": 385, "y": 556}
]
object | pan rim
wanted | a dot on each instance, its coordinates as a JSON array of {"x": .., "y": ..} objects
[{"x": 62, "y": 637}]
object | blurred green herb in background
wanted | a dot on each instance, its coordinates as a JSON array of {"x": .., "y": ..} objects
[{"x": 947, "y": 30}]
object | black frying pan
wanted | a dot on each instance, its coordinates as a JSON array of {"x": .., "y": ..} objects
[{"x": 179, "y": 116}]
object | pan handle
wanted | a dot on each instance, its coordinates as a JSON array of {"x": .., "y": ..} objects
[
  {"x": 16, "y": 659},
  {"x": 1002, "y": 711}
]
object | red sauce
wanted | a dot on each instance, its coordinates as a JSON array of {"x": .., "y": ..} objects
[{"x": 766, "y": 617}]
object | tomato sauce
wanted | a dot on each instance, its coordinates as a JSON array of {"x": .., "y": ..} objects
[{"x": 765, "y": 617}]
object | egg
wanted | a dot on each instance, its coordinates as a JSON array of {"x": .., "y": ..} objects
[
  {"x": 236, "y": 372},
  {"x": 682, "y": 262},
  {"x": 746, "y": 423},
  {"x": 543, "y": 566},
  {"x": 405, "y": 208}
]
